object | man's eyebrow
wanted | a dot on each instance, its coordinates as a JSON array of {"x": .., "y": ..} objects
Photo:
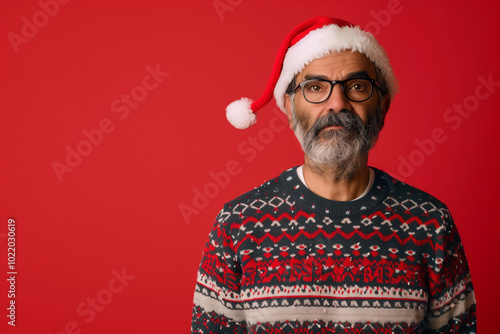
[
  {"x": 360, "y": 74},
  {"x": 314, "y": 76}
]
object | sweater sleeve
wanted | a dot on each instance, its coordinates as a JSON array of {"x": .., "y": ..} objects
[
  {"x": 452, "y": 305},
  {"x": 217, "y": 306}
]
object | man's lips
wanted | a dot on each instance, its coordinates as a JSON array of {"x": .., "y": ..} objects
[{"x": 330, "y": 127}]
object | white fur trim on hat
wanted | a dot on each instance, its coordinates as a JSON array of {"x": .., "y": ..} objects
[
  {"x": 323, "y": 41},
  {"x": 239, "y": 113}
]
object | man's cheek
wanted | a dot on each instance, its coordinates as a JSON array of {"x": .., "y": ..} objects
[{"x": 302, "y": 123}]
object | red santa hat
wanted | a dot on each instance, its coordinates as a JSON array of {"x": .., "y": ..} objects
[{"x": 312, "y": 39}]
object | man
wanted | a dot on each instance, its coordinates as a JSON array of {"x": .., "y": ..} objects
[{"x": 332, "y": 246}]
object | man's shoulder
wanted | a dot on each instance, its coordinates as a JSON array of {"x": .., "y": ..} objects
[
  {"x": 269, "y": 188},
  {"x": 408, "y": 197}
]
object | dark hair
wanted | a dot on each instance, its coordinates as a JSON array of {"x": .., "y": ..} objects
[
  {"x": 381, "y": 81},
  {"x": 291, "y": 85}
]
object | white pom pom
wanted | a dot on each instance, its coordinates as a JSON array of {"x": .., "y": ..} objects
[{"x": 239, "y": 113}]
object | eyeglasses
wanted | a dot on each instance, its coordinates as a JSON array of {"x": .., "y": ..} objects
[{"x": 319, "y": 90}]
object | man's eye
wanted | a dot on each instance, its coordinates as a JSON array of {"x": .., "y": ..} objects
[
  {"x": 358, "y": 86},
  {"x": 314, "y": 87}
]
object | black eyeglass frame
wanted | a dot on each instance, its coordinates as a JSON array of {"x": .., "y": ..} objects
[{"x": 332, "y": 84}]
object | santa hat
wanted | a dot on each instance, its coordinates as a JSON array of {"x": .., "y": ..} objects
[{"x": 312, "y": 39}]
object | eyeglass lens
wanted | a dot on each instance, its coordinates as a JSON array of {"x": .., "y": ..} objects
[{"x": 317, "y": 91}]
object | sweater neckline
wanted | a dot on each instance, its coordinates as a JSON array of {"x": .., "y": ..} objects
[
  {"x": 303, "y": 197},
  {"x": 371, "y": 179}
]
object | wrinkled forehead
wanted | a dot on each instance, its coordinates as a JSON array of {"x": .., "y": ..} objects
[{"x": 339, "y": 65}]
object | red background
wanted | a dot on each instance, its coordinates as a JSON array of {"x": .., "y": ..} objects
[{"x": 120, "y": 207}]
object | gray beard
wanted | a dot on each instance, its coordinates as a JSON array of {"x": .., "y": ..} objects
[{"x": 343, "y": 150}]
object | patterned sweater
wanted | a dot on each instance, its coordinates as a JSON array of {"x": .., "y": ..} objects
[{"x": 281, "y": 259}]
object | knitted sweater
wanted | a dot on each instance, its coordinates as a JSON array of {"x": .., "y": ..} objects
[{"x": 281, "y": 259}]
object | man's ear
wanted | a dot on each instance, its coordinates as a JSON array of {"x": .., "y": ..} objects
[
  {"x": 386, "y": 103},
  {"x": 288, "y": 109}
]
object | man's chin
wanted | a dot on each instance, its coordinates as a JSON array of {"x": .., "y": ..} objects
[
  {"x": 332, "y": 136},
  {"x": 327, "y": 134}
]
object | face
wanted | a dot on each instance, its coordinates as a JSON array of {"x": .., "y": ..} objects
[{"x": 337, "y": 132}]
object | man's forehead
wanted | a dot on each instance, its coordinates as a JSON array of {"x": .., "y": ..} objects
[{"x": 343, "y": 63}]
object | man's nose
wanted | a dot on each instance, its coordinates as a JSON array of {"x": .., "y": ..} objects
[{"x": 338, "y": 100}]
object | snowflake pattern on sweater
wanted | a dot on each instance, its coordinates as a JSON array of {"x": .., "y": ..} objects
[{"x": 281, "y": 259}]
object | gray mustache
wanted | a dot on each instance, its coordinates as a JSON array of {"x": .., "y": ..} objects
[{"x": 349, "y": 121}]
